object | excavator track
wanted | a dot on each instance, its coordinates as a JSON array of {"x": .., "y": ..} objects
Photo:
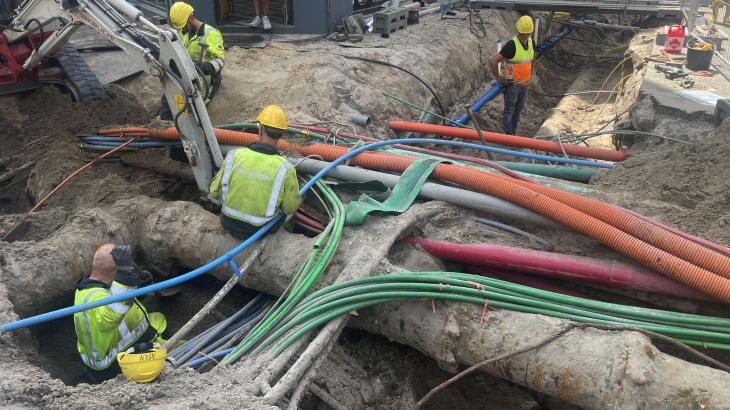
[{"x": 86, "y": 86}]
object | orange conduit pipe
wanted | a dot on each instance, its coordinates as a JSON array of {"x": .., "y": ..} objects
[
  {"x": 600, "y": 221},
  {"x": 511, "y": 140}
]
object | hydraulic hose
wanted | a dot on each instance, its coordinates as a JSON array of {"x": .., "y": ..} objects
[
  {"x": 650, "y": 245},
  {"x": 511, "y": 140}
]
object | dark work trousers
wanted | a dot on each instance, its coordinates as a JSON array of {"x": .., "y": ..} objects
[
  {"x": 166, "y": 113},
  {"x": 514, "y": 100},
  {"x": 244, "y": 230}
]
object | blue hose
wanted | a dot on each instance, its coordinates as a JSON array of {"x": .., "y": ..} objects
[
  {"x": 228, "y": 257},
  {"x": 162, "y": 144},
  {"x": 205, "y": 359}
]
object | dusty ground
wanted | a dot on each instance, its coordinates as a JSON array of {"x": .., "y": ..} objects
[{"x": 314, "y": 82}]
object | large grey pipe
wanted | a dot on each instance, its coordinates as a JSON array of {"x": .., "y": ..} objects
[{"x": 456, "y": 196}]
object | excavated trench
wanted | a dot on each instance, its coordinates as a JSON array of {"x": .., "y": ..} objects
[{"x": 380, "y": 374}]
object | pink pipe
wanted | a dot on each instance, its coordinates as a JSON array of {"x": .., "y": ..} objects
[
  {"x": 608, "y": 273},
  {"x": 524, "y": 279}
]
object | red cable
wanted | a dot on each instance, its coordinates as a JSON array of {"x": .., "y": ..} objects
[{"x": 81, "y": 169}]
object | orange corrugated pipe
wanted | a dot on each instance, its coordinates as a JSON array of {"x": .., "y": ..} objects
[
  {"x": 511, "y": 140},
  {"x": 562, "y": 207}
]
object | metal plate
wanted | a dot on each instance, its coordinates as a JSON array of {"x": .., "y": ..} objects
[
  {"x": 700, "y": 97},
  {"x": 111, "y": 65}
]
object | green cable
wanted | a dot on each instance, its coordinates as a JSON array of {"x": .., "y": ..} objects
[
  {"x": 305, "y": 282},
  {"x": 427, "y": 111}
]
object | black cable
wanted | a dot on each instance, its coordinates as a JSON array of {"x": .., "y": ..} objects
[
  {"x": 205, "y": 80},
  {"x": 441, "y": 107},
  {"x": 40, "y": 28},
  {"x": 546, "y": 95}
]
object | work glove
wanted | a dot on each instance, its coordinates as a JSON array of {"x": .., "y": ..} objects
[
  {"x": 206, "y": 68},
  {"x": 122, "y": 256},
  {"x": 506, "y": 83},
  {"x": 146, "y": 281}
]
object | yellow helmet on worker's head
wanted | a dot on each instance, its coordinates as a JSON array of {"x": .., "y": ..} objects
[
  {"x": 273, "y": 116},
  {"x": 525, "y": 25},
  {"x": 180, "y": 13},
  {"x": 142, "y": 367}
]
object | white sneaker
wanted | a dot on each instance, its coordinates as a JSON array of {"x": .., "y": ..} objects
[
  {"x": 267, "y": 23},
  {"x": 256, "y": 22}
]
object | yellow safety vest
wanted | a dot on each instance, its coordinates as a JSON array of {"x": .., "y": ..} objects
[
  {"x": 105, "y": 331},
  {"x": 255, "y": 186},
  {"x": 213, "y": 53},
  {"x": 519, "y": 68}
]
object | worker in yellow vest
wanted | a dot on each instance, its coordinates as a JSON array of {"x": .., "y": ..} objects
[
  {"x": 104, "y": 332},
  {"x": 255, "y": 183},
  {"x": 518, "y": 55},
  {"x": 208, "y": 59}
]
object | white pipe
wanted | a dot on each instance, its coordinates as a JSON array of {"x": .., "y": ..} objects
[
  {"x": 426, "y": 12},
  {"x": 499, "y": 48},
  {"x": 126, "y": 8},
  {"x": 535, "y": 33},
  {"x": 455, "y": 196}
]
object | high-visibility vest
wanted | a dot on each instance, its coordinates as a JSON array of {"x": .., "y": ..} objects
[
  {"x": 255, "y": 186},
  {"x": 105, "y": 331},
  {"x": 213, "y": 53},
  {"x": 519, "y": 68}
]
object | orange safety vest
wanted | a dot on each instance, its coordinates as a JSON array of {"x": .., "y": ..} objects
[{"x": 519, "y": 68}]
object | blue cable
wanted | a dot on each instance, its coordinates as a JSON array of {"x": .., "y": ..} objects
[
  {"x": 139, "y": 144},
  {"x": 205, "y": 359},
  {"x": 229, "y": 255}
]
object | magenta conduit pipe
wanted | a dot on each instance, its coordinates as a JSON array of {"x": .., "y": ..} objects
[
  {"x": 574, "y": 268},
  {"x": 524, "y": 279}
]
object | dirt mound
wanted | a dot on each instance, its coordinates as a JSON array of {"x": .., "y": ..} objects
[
  {"x": 48, "y": 112},
  {"x": 684, "y": 186}
]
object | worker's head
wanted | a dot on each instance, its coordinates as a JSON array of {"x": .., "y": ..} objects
[
  {"x": 525, "y": 27},
  {"x": 103, "y": 267},
  {"x": 180, "y": 15},
  {"x": 272, "y": 124}
]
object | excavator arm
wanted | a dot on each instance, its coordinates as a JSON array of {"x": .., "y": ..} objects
[{"x": 165, "y": 59}]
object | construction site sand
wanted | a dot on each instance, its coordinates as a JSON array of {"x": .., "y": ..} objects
[{"x": 312, "y": 84}]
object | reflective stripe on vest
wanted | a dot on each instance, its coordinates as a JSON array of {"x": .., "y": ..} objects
[
  {"x": 127, "y": 338},
  {"x": 273, "y": 199},
  {"x": 120, "y": 308},
  {"x": 519, "y": 68},
  {"x": 201, "y": 42}
]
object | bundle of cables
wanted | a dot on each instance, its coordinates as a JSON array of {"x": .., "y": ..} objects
[
  {"x": 335, "y": 300},
  {"x": 214, "y": 342},
  {"x": 98, "y": 143}
]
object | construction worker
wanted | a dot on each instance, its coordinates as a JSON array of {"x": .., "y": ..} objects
[
  {"x": 255, "y": 183},
  {"x": 715, "y": 7},
  {"x": 105, "y": 331},
  {"x": 208, "y": 59},
  {"x": 519, "y": 58}
]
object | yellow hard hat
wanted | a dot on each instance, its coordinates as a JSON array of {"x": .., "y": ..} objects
[
  {"x": 179, "y": 14},
  {"x": 525, "y": 25},
  {"x": 273, "y": 116},
  {"x": 142, "y": 367}
]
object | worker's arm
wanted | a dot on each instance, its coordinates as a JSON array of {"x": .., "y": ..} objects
[
  {"x": 215, "y": 187},
  {"x": 290, "y": 193},
  {"x": 494, "y": 64},
  {"x": 214, "y": 51},
  {"x": 108, "y": 317}
]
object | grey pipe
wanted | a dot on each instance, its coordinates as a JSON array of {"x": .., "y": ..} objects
[
  {"x": 461, "y": 197},
  {"x": 429, "y": 11}
]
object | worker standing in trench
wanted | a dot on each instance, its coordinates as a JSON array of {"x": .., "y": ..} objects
[
  {"x": 255, "y": 183},
  {"x": 106, "y": 331},
  {"x": 519, "y": 57},
  {"x": 208, "y": 58}
]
